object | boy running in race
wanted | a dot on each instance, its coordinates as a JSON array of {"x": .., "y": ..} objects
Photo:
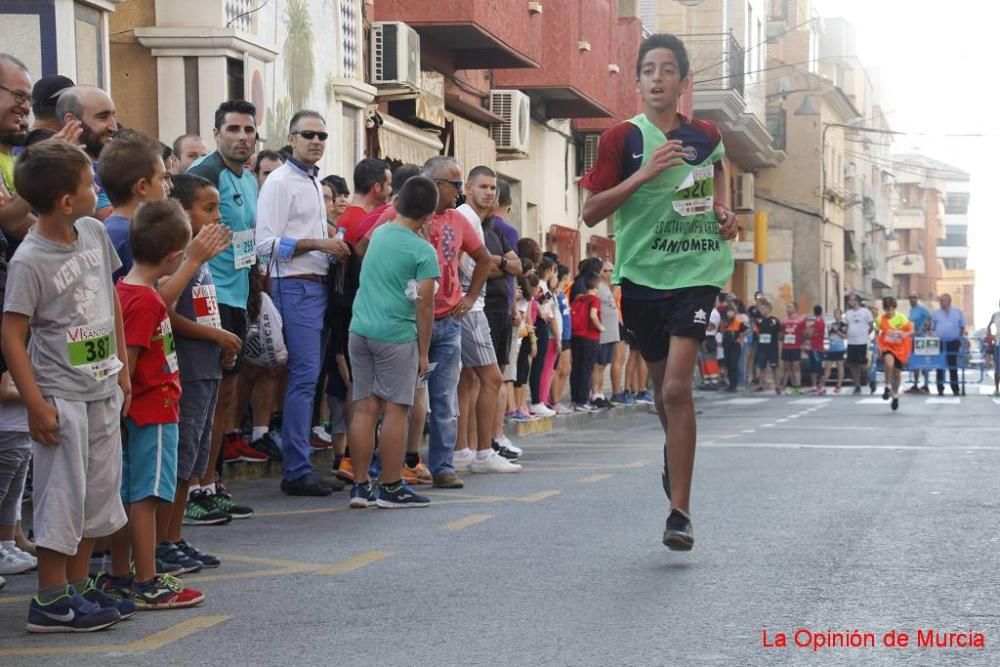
[
  {"x": 661, "y": 176},
  {"x": 894, "y": 330}
]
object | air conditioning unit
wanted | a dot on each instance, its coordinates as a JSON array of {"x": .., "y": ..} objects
[
  {"x": 511, "y": 136},
  {"x": 743, "y": 201},
  {"x": 590, "y": 142},
  {"x": 395, "y": 56}
]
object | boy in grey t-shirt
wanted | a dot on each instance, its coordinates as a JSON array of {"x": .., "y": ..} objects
[{"x": 72, "y": 380}]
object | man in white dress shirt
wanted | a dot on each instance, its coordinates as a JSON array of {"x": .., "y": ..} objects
[{"x": 291, "y": 233}]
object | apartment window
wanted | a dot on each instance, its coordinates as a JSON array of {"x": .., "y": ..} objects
[
  {"x": 956, "y": 203},
  {"x": 89, "y": 46},
  {"x": 234, "y": 79},
  {"x": 955, "y": 263},
  {"x": 776, "y": 128},
  {"x": 955, "y": 236}
]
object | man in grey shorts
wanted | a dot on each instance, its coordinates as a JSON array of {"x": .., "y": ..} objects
[{"x": 481, "y": 377}]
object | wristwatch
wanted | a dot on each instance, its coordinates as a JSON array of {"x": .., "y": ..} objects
[{"x": 503, "y": 262}]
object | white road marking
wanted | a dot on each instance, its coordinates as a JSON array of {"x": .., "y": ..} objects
[
  {"x": 743, "y": 401},
  {"x": 944, "y": 400}
]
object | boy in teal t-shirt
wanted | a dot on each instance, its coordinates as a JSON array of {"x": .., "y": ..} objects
[
  {"x": 661, "y": 176},
  {"x": 390, "y": 336}
]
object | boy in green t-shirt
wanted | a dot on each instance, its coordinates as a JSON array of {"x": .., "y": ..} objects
[
  {"x": 390, "y": 336},
  {"x": 660, "y": 175}
]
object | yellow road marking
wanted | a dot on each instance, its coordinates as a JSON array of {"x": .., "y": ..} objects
[
  {"x": 465, "y": 522},
  {"x": 153, "y": 642},
  {"x": 10, "y": 599},
  {"x": 535, "y": 497},
  {"x": 355, "y": 563},
  {"x": 594, "y": 478}
]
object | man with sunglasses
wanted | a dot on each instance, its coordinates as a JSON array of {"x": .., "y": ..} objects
[
  {"x": 235, "y": 137},
  {"x": 292, "y": 232}
]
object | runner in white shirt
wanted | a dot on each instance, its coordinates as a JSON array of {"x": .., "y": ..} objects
[{"x": 859, "y": 326}]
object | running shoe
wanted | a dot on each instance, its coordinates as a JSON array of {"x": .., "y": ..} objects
[
  {"x": 268, "y": 444},
  {"x": 363, "y": 495},
  {"x": 895, "y": 403},
  {"x": 174, "y": 560},
  {"x": 601, "y": 403},
  {"x": 620, "y": 399},
  {"x": 585, "y": 407},
  {"x": 92, "y": 593},
  {"x": 69, "y": 613},
  {"x": 188, "y": 549},
  {"x": 504, "y": 452},
  {"x": 223, "y": 501},
  {"x": 644, "y": 397},
  {"x": 493, "y": 463},
  {"x": 398, "y": 496},
  {"x": 345, "y": 472},
  {"x": 886, "y": 394},
  {"x": 542, "y": 410},
  {"x": 320, "y": 432},
  {"x": 678, "y": 534},
  {"x": 158, "y": 593},
  {"x": 871, "y": 387},
  {"x": 462, "y": 459},
  {"x": 23, "y": 555},
  {"x": 11, "y": 563},
  {"x": 504, "y": 441},
  {"x": 562, "y": 410},
  {"x": 235, "y": 449},
  {"x": 418, "y": 474},
  {"x": 520, "y": 416},
  {"x": 200, "y": 510}
]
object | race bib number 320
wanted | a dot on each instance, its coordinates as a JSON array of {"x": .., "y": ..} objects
[
  {"x": 91, "y": 350},
  {"x": 244, "y": 249},
  {"x": 700, "y": 195}
]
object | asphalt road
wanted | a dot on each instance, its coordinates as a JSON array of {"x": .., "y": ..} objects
[{"x": 825, "y": 514}]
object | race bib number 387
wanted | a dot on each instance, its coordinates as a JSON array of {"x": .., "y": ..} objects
[{"x": 91, "y": 350}]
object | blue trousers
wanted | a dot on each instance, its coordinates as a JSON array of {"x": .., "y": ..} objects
[
  {"x": 442, "y": 392},
  {"x": 302, "y": 305}
]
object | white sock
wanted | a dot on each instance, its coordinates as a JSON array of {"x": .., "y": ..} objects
[
  {"x": 6, "y": 545},
  {"x": 192, "y": 489},
  {"x": 209, "y": 489},
  {"x": 258, "y": 433},
  {"x": 483, "y": 454}
]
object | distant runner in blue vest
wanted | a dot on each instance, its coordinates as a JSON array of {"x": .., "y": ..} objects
[
  {"x": 661, "y": 176},
  {"x": 235, "y": 136}
]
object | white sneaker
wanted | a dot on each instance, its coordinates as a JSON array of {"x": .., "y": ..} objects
[
  {"x": 462, "y": 459},
  {"x": 563, "y": 410},
  {"x": 504, "y": 441},
  {"x": 494, "y": 463},
  {"x": 542, "y": 410},
  {"x": 11, "y": 564},
  {"x": 320, "y": 434},
  {"x": 23, "y": 555}
]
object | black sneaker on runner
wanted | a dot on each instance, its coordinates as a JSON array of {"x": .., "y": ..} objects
[
  {"x": 895, "y": 404},
  {"x": 678, "y": 534},
  {"x": 886, "y": 394}
]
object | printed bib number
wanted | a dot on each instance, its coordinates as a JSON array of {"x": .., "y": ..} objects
[
  {"x": 166, "y": 336},
  {"x": 765, "y": 339},
  {"x": 789, "y": 339},
  {"x": 698, "y": 197},
  {"x": 244, "y": 249},
  {"x": 91, "y": 350},
  {"x": 894, "y": 336},
  {"x": 206, "y": 306}
]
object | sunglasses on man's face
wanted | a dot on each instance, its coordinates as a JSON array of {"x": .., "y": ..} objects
[
  {"x": 455, "y": 184},
  {"x": 309, "y": 135}
]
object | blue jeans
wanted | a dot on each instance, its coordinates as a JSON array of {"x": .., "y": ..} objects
[
  {"x": 302, "y": 305},
  {"x": 442, "y": 392}
]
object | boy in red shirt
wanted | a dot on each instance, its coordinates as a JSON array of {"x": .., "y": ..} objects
[
  {"x": 793, "y": 333},
  {"x": 158, "y": 236},
  {"x": 586, "y": 324}
]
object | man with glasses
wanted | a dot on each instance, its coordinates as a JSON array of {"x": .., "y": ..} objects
[
  {"x": 451, "y": 235},
  {"x": 235, "y": 136},
  {"x": 15, "y": 104},
  {"x": 292, "y": 232}
]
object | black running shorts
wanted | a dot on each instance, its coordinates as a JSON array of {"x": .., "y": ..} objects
[{"x": 683, "y": 312}]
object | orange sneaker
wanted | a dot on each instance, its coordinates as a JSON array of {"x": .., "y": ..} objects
[
  {"x": 419, "y": 474},
  {"x": 346, "y": 470}
]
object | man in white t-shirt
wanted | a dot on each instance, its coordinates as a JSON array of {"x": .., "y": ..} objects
[
  {"x": 479, "y": 383},
  {"x": 859, "y": 326}
]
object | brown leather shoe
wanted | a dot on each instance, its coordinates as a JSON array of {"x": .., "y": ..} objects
[{"x": 449, "y": 480}]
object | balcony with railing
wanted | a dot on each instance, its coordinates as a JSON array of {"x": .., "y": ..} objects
[{"x": 718, "y": 72}]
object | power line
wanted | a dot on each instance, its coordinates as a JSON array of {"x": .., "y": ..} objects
[
  {"x": 909, "y": 168},
  {"x": 755, "y": 46}
]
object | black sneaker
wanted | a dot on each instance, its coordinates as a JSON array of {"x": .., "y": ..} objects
[
  {"x": 188, "y": 550},
  {"x": 871, "y": 387},
  {"x": 601, "y": 403},
  {"x": 223, "y": 501},
  {"x": 895, "y": 404},
  {"x": 505, "y": 452},
  {"x": 307, "y": 485},
  {"x": 857, "y": 390},
  {"x": 201, "y": 511},
  {"x": 678, "y": 534},
  {"x": 886, "y": 394},
  {"x": 176, "y": 560},
  {"x": 268, "y": 445}
]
